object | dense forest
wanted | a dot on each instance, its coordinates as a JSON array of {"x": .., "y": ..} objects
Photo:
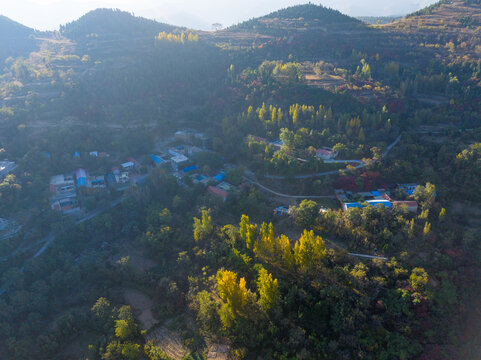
[{"x": 230, "y": 239}]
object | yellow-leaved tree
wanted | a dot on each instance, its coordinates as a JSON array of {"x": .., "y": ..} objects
[
  {"x": 204, "y": 227},
  {"x": 268, "y": 290},
  {"x": 309, "y": 251},
  {"x": 233, "y": 293}
]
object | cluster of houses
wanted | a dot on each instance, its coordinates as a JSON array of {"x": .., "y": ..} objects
[
  {"x": 6, "y": 167},
  {"x": 66, "y": 187},
  {"x": 380, "y": 197},
  {"x": 179, "y": 159}
]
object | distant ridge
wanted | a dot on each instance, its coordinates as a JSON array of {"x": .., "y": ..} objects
[
  {"x": 112, "y": 23},
  {"x": 15, "y": 39},
  {"x": 379, "y": 20},
  {"x": 308, "y": 13},
  {"x": 429, "y": 9}
]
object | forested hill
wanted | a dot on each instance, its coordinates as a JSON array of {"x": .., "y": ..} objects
[
  {"x": 15, "y": 39},
  {"x": 449, "y": 28},
  {"x": 299, "y": 17},
  {"x": 112, "y": 24}
]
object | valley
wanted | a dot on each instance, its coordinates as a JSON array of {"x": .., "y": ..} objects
[{"x": 303, "y": 185}]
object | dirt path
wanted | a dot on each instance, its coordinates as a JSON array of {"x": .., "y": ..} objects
[
  {"x": 218, "y": 352},
  {"x": 170, "y": 342},
  {"x": 143, "y": 307}
]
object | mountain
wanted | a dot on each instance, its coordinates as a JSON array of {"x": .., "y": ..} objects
[
  {"x": 112, "y": 24},
  {"x": 299, "y": 17},
  {"x": 448, "y": 28},
  {"x": 15, "y": 39}
]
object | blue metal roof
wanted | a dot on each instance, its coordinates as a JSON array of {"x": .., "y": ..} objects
[
  {"x": 81, "y": 182},
  {"x": 219, "y": 177},
  {"x": 385, "y": 203},
  {"x": 157, "y": 159},
  {"x": 375, "y": 193},
  {"x": 352, "y": 205},
  {"x": 76, "y": 154},
  {"x": 189, "y": 169}
]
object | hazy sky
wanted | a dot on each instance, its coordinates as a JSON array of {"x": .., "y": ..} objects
[{"x": 199, "y": 14}]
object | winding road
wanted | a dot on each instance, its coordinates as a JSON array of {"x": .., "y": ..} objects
[
  {"x": 49, "y": 239},
  {"x": 252, "y": 179},
  {"x": 334, "y": 172}
]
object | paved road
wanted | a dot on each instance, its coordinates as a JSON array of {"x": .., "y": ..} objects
[
  {"x": 288, "y": 196},
  {"x": 49, "y": 239},
  {"x": 52, "y": 237},
  {"x": 369, "y": 256}
]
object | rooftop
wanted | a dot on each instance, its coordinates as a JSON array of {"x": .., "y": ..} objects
[
  {"x": 61, "y": 179},
  {"x": 179, "y": 159}
]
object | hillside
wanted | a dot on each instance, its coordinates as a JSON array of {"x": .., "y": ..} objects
[
  {"x": 298, "y": 18},
  {"x": 450, "y": 28},
  {"x": 304, "y": 30},
  {"x": 15, "y": 39},
  {"x": 303, "y": 185},
  {"x": 112, "y": 24}
]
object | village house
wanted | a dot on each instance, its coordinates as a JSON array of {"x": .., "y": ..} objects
[
  {"x": 177, "y": 161},
  {"x": 62, "y": 185},
  {"x": 122, "y": 178},
  {"x": 281, "y": 211},
  {"x": 127, "y": 166},
  {"x": 6, "y": 167},
  {"x": 218, "y": 192},
  {"x": 159, "y": 160},
  {"x": 222, "y": 190},
  {"x": 66, "y": 206},
  {"x": 325, "y": 153},
  {"x": 408, "y": 188},
  {"x": 379, "y": 197},
  {"x": 81, "y": 176},
  {"x": 96, "y": 182}
]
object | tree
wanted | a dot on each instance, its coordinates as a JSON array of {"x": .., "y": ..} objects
[
  {"x": 232, "y": 292},
  {"x": 306, "y": 214},
  {"x": 131, "y": 351},
  {"x": 283, "y": 251},
  {"x": 418, "y": 279},
  {"x": 425, "y": 195},
  {"x": 234, "y": 295},
  {"x": 155, "y": 353},
  {"x": 287, "y": 138},
  {"x": 427, "y": 229},
  {"x": 206, "y": 308},
  {"x": 442, "y": 215},
  {"x": 247, "y": 231},
  {"x": 268, "y": 290},
  {"x": 309, "y": 251},
  {"x": 124, "y": 330},
  {"x": 204, "y": 227},
  {"x": 125, "y": 326},
  {"x": 103, "y": 313}
]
